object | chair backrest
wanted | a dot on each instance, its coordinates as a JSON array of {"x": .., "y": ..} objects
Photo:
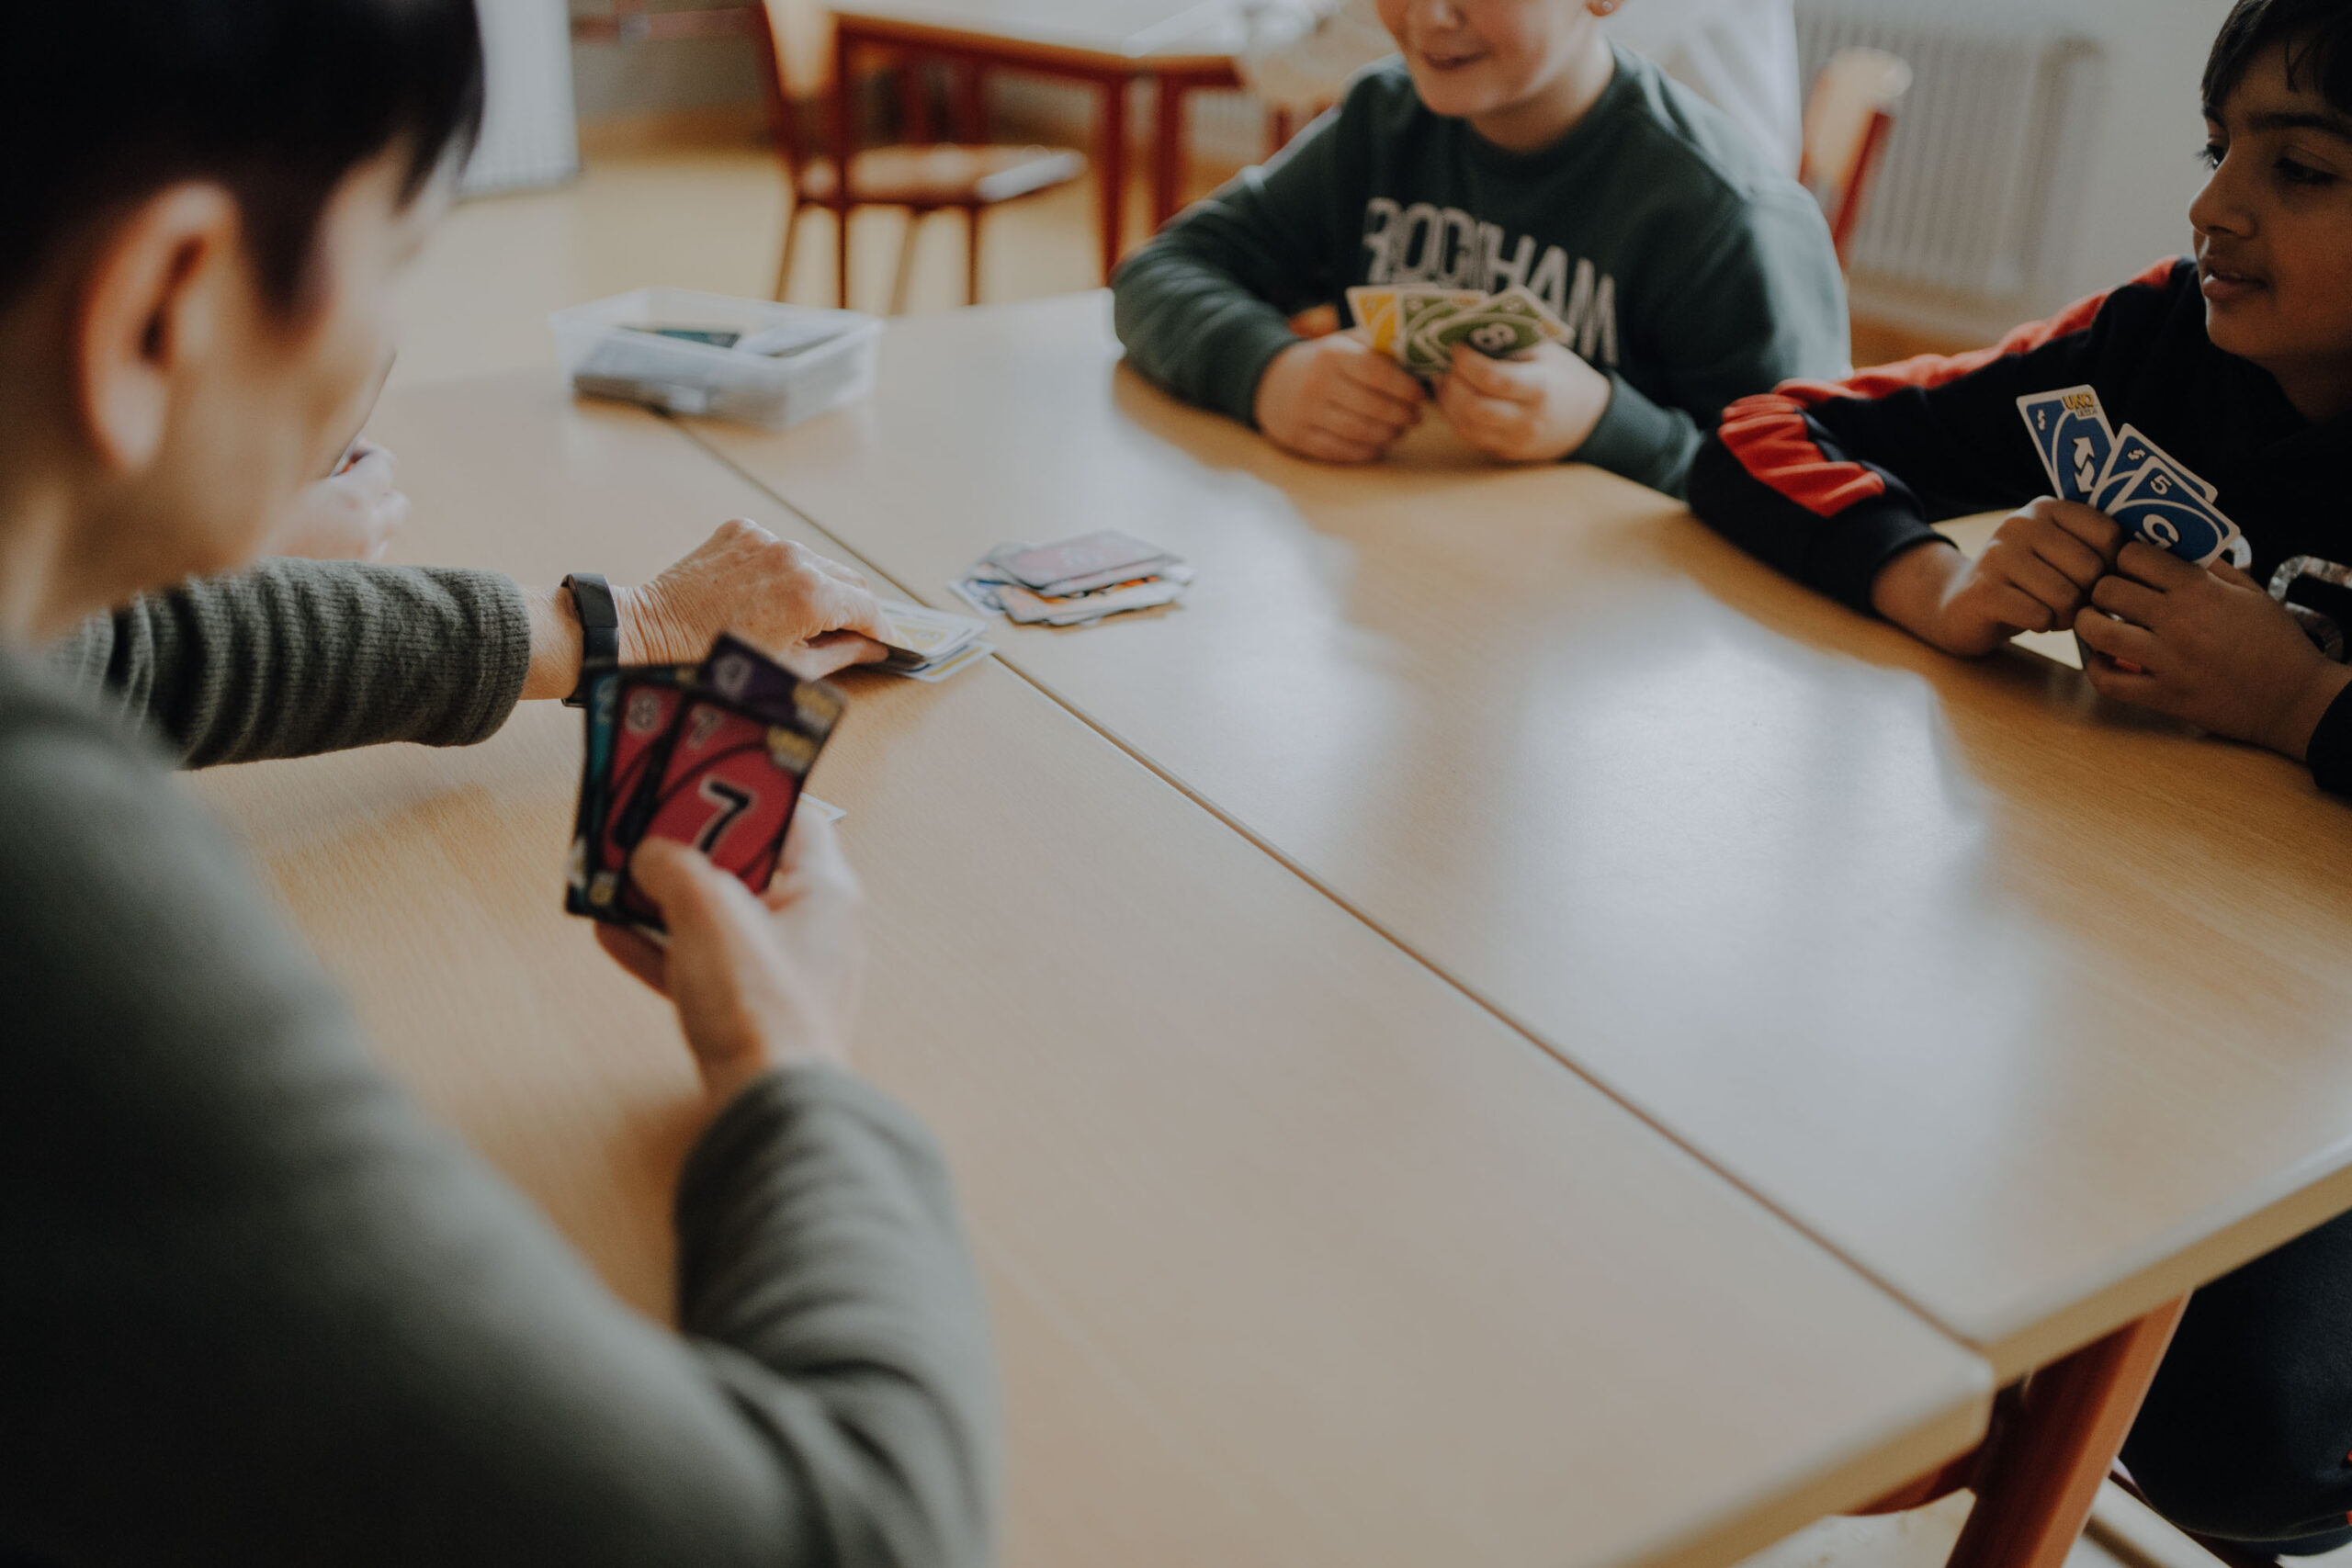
[
  {"x": 1847, "y": 119},
  {"x": 796, "y": 37}
]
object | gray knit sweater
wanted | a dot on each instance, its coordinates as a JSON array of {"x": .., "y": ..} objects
[{"x": 256, "y": 1308}]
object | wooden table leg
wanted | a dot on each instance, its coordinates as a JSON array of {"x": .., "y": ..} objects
[
  {"x": 2041, "y": 1479},
  {"x": 1111, "y": 156}
]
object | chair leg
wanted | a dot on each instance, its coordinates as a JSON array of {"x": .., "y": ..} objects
[
  {"x": 791, "y": 234},
  {"x": 904, "y": 284},
  {"x": 841, "y": 255},
  {"x": 2038, "y": 1480},
  {"x": 971, "y": 256}
]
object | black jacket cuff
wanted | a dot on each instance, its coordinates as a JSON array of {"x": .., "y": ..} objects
[{"x": 2330, "y": 752}]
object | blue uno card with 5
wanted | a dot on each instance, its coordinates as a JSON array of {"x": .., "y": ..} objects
[
  {"x": 2072, "y": 437},
  {"x": 2166, "y": 506},
  {"x": 2133, "y": 452}
]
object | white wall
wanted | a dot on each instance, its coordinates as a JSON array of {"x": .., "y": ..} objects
[
  {"x": 2140, "y": 152},
  {"x": 2144, "y": 161}
]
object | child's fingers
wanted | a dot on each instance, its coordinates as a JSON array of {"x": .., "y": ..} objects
[
  {"x": 1325, "y": 445},
  {"x": 2119, "y": 639},
  {"x": 2006, "y": 604},
  {"x": 2134, "y": 601},
  {"x": 2235, "y": 577},
  {"x": 1495, "y": 377},
  {"x": 2045, "y": 583},
  {"x": 2067, "y": 553},
  {"x": 2131, "y": 686},
  {"x": 1374, "y": 403},
  {"x": 2088, "y": 524},
  {"x": 2158, "y": 568},
  {"x": 1381, "y": 374},
  {"x": 1349, "y": 426}
]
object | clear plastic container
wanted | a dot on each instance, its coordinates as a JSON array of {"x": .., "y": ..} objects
[{"x": 817, "y": 360}]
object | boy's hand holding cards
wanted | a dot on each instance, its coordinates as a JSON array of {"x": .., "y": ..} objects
[
  {"x": 1418, "y": 327},
  {"x": 711, "y": 755},
  {"x": 2122, "y": 473}
]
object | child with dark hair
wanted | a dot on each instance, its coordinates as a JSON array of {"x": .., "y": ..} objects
[{"x": 2239, "y": 363}]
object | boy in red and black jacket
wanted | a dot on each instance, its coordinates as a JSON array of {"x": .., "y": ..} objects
[{"x": 2238, "y": 363}]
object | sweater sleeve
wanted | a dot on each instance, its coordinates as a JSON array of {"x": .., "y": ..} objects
[
  {"x": 1204, "y": 306},
  {"x": 294, "y": 657},
  {"x": 1829, "y": 481},
  {"x": 1759, "y": 304},
  {"x": 2330, "y": 751},
  {"x": 262, "y": 1311}
]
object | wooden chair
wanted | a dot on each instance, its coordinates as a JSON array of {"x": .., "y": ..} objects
[
  {"x": 1847, "y": 119},
  {"x": 969, "y": 176}
]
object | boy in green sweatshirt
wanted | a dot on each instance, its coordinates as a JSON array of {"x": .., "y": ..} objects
[{"x": 1512, "y": 144}]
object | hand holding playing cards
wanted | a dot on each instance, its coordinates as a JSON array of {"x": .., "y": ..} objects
[
  {"x": 760, "y": 982},
  {"x": 2035, "y": 575},
  {"x": 1334, "y": 399},
  {"x": 1536, "y": 408},
  {"x": 351, "y": 516},
  {"x": 771, "y": 592},
  {"x": 2210, "y": 647}
]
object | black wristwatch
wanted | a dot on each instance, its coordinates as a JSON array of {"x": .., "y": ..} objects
[{"x": 600, "y": 629}]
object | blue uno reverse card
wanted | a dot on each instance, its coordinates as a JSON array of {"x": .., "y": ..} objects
[{"x": 2072, "y": 437}]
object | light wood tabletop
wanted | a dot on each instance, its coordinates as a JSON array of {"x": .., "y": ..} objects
[
  {"x": 2036, "y": 1009},
  {"x": 1295, "y": 1254}
]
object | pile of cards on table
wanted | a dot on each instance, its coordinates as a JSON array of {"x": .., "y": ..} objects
[
  {"x": 2156, "y": 499},
  {"x": 930, "y": 645},
  {"x": 1075, "y": 583},
  {"x": 1418, "y": 327},
  {"x": 710, "y": 754}
]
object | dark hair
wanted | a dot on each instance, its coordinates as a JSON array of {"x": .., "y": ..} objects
[
  {"x": 2318, "y": 38},
  {"x": 105, "y": 102}
]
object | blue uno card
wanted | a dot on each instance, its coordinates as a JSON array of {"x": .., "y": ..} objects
[
  {"x": 2072, "y": 437},
  {"x": 2133, "y": 452},
  {"x": 2164, "y": 506}
]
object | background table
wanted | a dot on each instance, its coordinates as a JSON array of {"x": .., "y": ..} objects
[
  {"x": 2035, "y": 1008},
  {"x": 1295, "y": 1253},
  {"x": 1182, "y": 45}
]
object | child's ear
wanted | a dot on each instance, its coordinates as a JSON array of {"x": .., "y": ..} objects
[{"x": 150, "y": 306}]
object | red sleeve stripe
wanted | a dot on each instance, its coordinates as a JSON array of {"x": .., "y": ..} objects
[{"x": 1767, "y": 433}]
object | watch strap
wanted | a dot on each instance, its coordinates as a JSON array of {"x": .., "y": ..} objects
[{"x": 600, "y": 628}]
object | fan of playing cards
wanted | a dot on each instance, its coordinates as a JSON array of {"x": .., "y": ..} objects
[
  {"x": 1076, "y": 582},
  {"x": 2156, "y": 499},
  {"x": 1418, "y": 327},
  {"x": 711, "y": 755}
]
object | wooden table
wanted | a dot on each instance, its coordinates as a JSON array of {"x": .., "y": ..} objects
[
  {"x": 2034, "y": 1009},
  {"x": 1297, "y": 1255},
  {"x": 1182, "y": 45}
]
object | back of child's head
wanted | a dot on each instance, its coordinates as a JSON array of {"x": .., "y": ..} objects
[
  {"x": 103, "y": 102},
  {"x": 2316, "y": 35}
]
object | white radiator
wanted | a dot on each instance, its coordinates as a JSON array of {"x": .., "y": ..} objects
[
  {"x": 527, "y": 135},
  {"x": 1978, "y": 194}
]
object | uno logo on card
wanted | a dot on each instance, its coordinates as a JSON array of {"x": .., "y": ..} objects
[{"x": 1493, "y": 337}]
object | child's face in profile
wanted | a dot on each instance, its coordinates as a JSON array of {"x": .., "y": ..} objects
[
  {"x": 2274, "y": 232},
  {"x": 1471, "y": 58}
]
